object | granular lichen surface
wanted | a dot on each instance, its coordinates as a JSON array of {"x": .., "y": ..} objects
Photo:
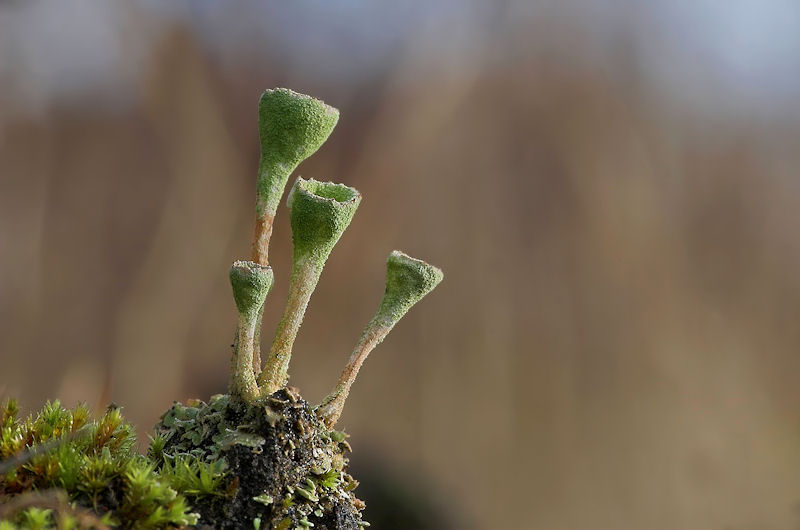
[{"x": 284, "y": 468}]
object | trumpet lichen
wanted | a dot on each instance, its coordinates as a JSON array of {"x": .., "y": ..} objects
[
  {"x": 61, "y": 469},
  {"x": 251, "y": 283},
  {"x": 291, "y": 127},
  {"x": 408, "y": 280},
  {"x": 320, "y": 213},
  {"x": 260, "y": 456}
]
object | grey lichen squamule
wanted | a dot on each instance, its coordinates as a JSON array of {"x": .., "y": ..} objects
[{"x": 292, "y": 127}]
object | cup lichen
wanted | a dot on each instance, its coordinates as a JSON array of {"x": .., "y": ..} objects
[
  {"x": 260, "y": 455},
  {"x": 408, "y": 280},
  {"x": 251, "y": 283},
  {"x": 291, "y": 128},
  {"x": 320, "y": 213}
]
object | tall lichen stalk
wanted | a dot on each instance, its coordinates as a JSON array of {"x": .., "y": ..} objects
[
  {"x": 320, "y": 213},
  {"x": 292, "y": 127}
]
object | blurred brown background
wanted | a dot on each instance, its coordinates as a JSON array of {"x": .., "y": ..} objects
[{"x": 610, "y": 187}]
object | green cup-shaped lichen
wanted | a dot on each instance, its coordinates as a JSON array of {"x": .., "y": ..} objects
[
  {"x": 292, "y": 127},
  {"x": 408, "y": 280},
  {"x": 320, "y": 213},
  {"x": 251, "y": 283}
]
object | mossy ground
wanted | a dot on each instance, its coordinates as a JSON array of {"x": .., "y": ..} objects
[
  {"x": 60, "y": 468},
  {"x": 284, "y": 469}
]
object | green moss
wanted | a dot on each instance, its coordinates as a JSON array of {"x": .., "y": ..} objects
[
  {"x": 194, "y": 476},
  {"x": 92, "y": 462}
]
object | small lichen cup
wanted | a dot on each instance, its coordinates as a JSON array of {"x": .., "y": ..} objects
[{"x": 251, "y": 283}]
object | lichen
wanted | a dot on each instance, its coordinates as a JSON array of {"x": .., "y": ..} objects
[
  {"x": 320, "y": 213},
  {"x": 291, "y": 127},
  {"x": 260, "y": 456},
  {"x": 251, "y": 283},
  {"x": 268, "y": 429},
  {"x": 408, "y": 280},
  {"x": 282, "y": 465}
]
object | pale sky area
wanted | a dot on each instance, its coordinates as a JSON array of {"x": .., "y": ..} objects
[{"x": 709, "y": 53}]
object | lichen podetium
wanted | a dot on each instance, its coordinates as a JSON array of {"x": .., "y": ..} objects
[
  {"x": 251, "y": 282},
  {"x": 291, "y": 128},
  {"x": 260, "y": 456},
  {"x": 408, "y": 280},
  {"x": 320, "y": 213}
]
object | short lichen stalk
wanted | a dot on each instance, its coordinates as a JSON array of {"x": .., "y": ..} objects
[
  {"x": 408, "y": 280},
  {"x": 251, "y": 283},
  {"x": 320, "y": 213}
]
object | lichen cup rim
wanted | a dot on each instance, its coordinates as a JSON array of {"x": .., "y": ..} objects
[{"x": 311, "y": 188}]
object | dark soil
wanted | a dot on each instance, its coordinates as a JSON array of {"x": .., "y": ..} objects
[{"x": 285, "y": 469}]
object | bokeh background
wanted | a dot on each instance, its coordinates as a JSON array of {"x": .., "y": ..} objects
[{"x": 611, "y": 187}]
